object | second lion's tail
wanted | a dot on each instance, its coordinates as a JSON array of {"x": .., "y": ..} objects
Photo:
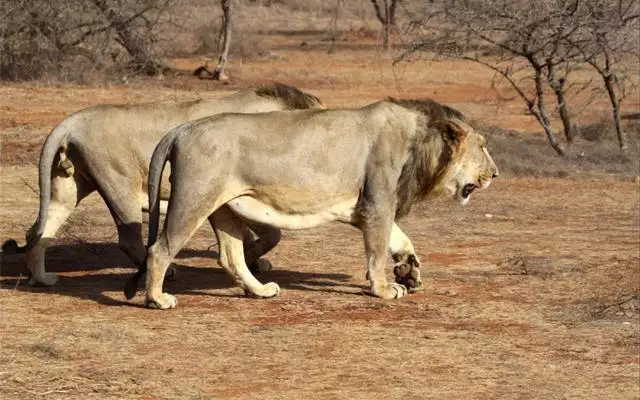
[{"x": 55, "y": 145}]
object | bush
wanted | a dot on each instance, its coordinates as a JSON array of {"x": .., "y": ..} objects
[
  {"x": 595, "y": 150},
  {"x": 40, "y": 37}
]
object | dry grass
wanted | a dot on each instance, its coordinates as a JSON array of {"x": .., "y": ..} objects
[
  {"x": 530, "y": 292},
  {"x": 522, "y": 300}
]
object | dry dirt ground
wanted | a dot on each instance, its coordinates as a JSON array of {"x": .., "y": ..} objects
[{"x": 530, "y": 292}]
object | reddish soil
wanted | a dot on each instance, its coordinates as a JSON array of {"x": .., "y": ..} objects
[{"x": 530, "y": 292}]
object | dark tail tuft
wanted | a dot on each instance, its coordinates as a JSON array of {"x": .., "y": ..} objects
[{"x": 11, "y": 247}]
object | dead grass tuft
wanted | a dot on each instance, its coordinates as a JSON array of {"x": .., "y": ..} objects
[
  {"x": 622, "y": 305},
  {"x": 528, "y": 265},
  {"x": 47, "y": 350}
]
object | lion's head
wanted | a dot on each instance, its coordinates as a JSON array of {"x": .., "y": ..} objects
[
  {"x": 447, "y": 155},
  {"x": 471, "y": 166}
]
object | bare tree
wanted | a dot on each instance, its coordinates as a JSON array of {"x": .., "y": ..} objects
[
  {"x": 560, "y": 58},
  {"x": 386, "y": 14},
  {"x": 225, "y": 30},
  {"x": 224, "y": 43},
  {"x": 141, "y": 57},
  {"x": 524, "y": 42},
  {"x": 612, "y": 39}
]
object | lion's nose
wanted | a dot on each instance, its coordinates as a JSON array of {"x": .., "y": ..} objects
[{"x": 495, "y": 174}]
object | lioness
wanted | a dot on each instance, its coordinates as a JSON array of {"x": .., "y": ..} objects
[
  {"x": 108, "y": 148},
  {"x": 300, "y": 169}
]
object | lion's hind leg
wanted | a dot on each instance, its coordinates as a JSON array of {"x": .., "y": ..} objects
[
  {"x": 178, "y": 228},
  {"x": 158, "y": 259},
  {"x": 66, "y": 193},
  {"x": 230, "y": 231}
]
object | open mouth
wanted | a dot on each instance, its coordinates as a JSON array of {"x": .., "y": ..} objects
[{"x": 467, "y": 190}]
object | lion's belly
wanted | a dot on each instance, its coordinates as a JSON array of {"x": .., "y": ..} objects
[{"x": 257, "y": 211}]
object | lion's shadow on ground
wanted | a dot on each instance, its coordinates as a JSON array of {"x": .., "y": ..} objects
[
  {"x": 77, "y": 257},
  {"x": 91, "y": 258}
]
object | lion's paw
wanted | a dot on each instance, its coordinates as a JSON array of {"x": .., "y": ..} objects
[
  {"x": 260, "y": 265},
  {"x": 391, "y": 291},
  {"x": 407, "y": 271},
  {"x": 267, "y": 290},
  {"x": 46, "y": 279},
  {"x": 165, "y": 302}
]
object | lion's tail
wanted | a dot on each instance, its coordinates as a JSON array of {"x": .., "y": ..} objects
[
  {"x": 55, "y": 145},
  {"x": 158, "y": 160}
]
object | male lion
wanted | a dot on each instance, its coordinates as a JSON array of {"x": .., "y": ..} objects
[
  {"x": 300, "y": 169},
  {"x": 108, "y": 148}
]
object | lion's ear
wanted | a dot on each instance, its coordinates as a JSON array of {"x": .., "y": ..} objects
[{"x": 452, "y": 132}]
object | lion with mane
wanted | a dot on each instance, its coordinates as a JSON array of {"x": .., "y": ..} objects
[{"x": 295, "y": 170}]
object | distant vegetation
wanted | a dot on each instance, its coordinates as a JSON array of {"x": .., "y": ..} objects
[
  {"x": 538, "y": 46},
  {"x": 537, "y": 49}
]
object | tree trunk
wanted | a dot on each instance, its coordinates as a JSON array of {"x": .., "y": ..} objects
[
  {"x": 334, "y": 26},
  {"x": 609, "y": 80},
  {"x": 615, "y": 107},
  {"x": 219, "y": 73},
  {"x": 385, "y": 36},
  {"x": 386, "y": 18},
  {"x": 558, "y": 88},
  {"x": 141, "y": 59},
  {"x": 564, "y": 114},
  {"x": 541, "y": 112}
]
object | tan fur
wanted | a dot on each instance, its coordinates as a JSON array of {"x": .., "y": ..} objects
[
  {"x": 299, "y": 169},
  {"x": 108, "y": 148}
]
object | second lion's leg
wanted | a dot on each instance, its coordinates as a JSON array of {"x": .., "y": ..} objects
[
  {"x": 230, "y": 231},
  {"x": 268, "y": 238},
  {"x": 406, "y": 263},
  {"x": 123, "y": 203},
  {"x": 66, "y": 193}
]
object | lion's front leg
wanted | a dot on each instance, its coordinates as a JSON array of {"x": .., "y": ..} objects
[
  {"x": 375, "y": 240},
  {"x": 406, "y": 265}
]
